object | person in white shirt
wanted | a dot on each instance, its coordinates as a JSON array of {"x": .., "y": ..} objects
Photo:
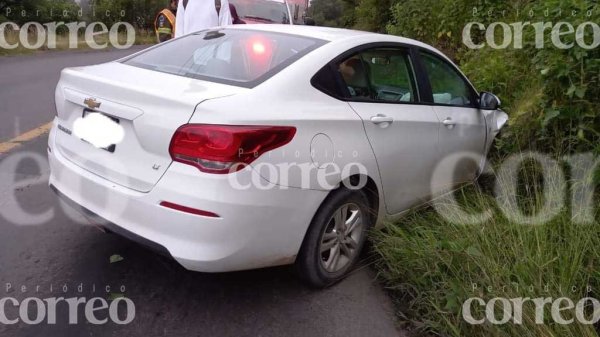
[{"x": 197, "y": 15}]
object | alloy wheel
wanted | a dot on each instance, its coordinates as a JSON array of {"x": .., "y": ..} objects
[{"x": 340, "y": 240}]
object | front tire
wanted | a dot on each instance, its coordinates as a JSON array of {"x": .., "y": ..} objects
[{"x": 335, "y": 238}]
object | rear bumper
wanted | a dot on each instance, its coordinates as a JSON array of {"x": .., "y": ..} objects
[
  {"x": 256, "y": 228},
  {"x": 110, "y": 226}
]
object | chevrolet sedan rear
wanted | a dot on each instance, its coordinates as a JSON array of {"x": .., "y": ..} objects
[{"x": 255, "y": 146}]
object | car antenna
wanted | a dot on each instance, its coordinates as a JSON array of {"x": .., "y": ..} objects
[{"x": 215, "y": 34}]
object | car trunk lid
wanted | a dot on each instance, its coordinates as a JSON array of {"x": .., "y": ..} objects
[{"x": 147, "y": 106}]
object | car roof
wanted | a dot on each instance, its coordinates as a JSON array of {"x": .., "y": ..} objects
[
  {"x": 328, "y": 34},
  {"x": 323, "y": 33}
]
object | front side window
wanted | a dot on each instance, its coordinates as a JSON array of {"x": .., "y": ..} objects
[
  {"x": 237, "y": 57},
  {"x": 447, "y": 86},
  {"x": 383, "y": 75}
]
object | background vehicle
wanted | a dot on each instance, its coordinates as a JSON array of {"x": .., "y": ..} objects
[
  {"x": 299, "y": 9},
  {"x": 263, "y": 11},
  {"x": 204, "y": 115}
]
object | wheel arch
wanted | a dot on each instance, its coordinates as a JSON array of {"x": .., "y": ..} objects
[
  {"x": 304, "y": 263},
  {"x": 369, "y": 187},
  {"x": 371, "y": 190}
]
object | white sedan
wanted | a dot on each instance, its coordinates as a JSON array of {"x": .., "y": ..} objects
[{"x": 263, "y": 145}]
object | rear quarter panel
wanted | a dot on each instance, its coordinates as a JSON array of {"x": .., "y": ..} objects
[{"x": 288, "y": 99}]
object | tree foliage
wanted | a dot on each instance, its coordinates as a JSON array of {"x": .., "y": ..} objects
[
  {"x": 332, "y": 13},
  {"x": 138, "y": 12},
  {"x": 373, "y": 15},
  {"x": 22, "y": 11}
]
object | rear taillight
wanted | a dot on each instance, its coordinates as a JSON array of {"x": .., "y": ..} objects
[{"x": 223, "y": 149}]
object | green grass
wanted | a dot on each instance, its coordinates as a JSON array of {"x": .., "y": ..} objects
[
  {"x": 430, "y": 264},
  {"x": 62, "y": 43}
]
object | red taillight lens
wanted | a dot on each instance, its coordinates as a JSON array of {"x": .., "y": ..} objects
[{"x": 223, "y": 149}]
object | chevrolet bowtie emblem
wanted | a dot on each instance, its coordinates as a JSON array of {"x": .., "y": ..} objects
[{"x": 92, "y": 103}]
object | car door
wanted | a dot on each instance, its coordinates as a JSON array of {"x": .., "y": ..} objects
[
  {"x": 463, "y": 127},
  {"x": 403, "y": 134}
]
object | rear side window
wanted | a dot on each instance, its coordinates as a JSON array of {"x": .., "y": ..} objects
[
  {"x": 237, "y": 57},
  {"x": 326, "y": 80},
  {"x": 381, "y": 75}
]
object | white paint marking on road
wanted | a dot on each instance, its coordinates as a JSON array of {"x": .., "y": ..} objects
[{"x": 25, "y": 137}]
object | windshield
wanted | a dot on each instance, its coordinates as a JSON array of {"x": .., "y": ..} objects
[
  {"x": 263, "y": 11},
  {"x": 238, "y": 57}
]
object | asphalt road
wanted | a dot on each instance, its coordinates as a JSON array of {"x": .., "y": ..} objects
[
  {"x": 169, "y": 301},
  {"x": 27, "y": 85}
]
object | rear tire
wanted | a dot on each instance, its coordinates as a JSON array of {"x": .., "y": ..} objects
[{"x": 335, "y": 238}]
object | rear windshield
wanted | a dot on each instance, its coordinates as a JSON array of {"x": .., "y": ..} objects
[{"x": 238, "y": 57}]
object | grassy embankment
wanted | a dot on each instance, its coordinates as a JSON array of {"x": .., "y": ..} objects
[
  {"x": 431, "y": 264},
  {"x": 552, "y": 96}
]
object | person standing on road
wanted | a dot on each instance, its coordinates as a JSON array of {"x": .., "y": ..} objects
[
  {"x": 197, "y": 15},
  {"x": 165, "y": 22}
]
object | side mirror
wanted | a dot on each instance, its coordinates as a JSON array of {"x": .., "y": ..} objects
[{"x": 488, "y": 101}]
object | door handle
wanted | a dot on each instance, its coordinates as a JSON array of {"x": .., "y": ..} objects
[
  {"x": 382, "y": 120},
  {"x": 449, "y": 123}
]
